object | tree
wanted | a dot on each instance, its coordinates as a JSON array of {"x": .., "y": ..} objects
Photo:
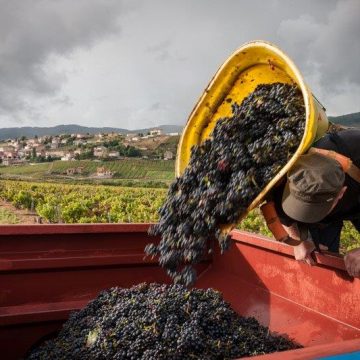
[
  {"x": 132, "y": 151},
  {"x": 86, "y": 155},
  {"x": 48, "y": 140}
]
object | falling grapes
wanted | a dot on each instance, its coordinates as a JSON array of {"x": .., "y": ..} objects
[
  {"x": 225, "y": 174},
  {"x": 158, "y": 322}
]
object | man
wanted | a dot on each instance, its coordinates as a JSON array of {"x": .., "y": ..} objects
[{"x": 318, "y": 196}]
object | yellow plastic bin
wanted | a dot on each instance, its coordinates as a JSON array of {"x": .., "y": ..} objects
[{"x": 257, "y": 62}]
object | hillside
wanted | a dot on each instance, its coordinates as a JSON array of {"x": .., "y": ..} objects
[
  {"x": 125, "y": 169},
  {"x": 157, "y": 146},
  {"x": 28, "y": 131},
  {"x": 352, "y": 120},
  {"x": 169, "y": 145}
]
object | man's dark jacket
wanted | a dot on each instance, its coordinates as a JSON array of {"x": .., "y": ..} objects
[{"x": 346, "y": 142}]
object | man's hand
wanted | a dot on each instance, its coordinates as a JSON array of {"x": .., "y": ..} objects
[
  {"x": 352, "y": 262},
  {"x": 302, "y": 252},
  {"x": 293, "y": 231}
]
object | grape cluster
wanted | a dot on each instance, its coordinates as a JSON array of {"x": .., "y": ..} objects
[
  {"x": 155, "y": 322},
  {"x": 225, "y": 174}
]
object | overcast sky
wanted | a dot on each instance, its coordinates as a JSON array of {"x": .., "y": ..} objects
[{"x": 142, "y": 63}]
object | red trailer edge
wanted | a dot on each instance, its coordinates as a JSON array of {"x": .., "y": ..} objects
[{"x": 47, "y": 271}]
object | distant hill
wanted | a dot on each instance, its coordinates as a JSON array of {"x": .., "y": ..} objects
[
  {"x": 166, "y": 129},
  {"x": 28, "y": 131},
  {"x": 352, "y": 120}
]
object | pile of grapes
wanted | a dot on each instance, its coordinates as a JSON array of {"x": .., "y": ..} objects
[
  {"x": 225, "y": 174},
  {"x": 155, "y": 322}
]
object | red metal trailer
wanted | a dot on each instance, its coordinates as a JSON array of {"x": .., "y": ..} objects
[{"x": 47, "y": 271}]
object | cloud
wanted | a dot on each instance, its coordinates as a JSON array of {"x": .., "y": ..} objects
[
  {"x": 162, "y": 51},
  {"x": 156, "y": 106},
  {"x": 138, "y": 63},
  {"x": 328, "y": 53},
  {"x": 298, "y": 34},
  {"x": 160, "y": 46},
  {"x": 33, "y": 32}
]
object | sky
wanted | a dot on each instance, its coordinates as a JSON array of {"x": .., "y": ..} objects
[{"x": 143, "y": 63}]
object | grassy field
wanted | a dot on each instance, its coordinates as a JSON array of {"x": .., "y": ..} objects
[
  {"x": 35, "y": 170},
  {"x": 128, "y": 169}
]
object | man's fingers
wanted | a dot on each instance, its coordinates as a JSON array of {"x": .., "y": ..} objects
[
  {"x": 357, "y": 271},
  {"x": 352, "y": 268},
  {"x": 348, "y": 267},
  {"x": 309, "y": 260},
  {"x": 352, "y": 262},
  {"x": 349, "y": 264}
]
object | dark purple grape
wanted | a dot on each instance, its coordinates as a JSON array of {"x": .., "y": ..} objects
[{"x": 226, "y": 173}]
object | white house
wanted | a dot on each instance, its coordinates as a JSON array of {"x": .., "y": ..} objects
[
  {"x": 68, "y": 156},
  {"x": 114, "y": 154},
  {"x": 55, "y": 143},
  {"x": 100, "y": 151},
  {"x": 168, "y": 155},
  {"x": 155, "y": 132}
]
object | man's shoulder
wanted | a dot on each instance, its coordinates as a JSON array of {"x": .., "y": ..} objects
[{"x": 349, "y": 137}]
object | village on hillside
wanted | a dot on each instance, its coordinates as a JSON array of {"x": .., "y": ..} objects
[{"x": 102, "y": 146}]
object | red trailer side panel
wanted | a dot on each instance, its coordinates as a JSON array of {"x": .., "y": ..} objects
[{"x": 47, "y": 271}]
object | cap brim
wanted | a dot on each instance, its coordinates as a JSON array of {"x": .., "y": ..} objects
[{"x": 303, "y": 211}]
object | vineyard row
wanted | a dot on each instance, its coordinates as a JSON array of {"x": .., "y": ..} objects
[{"x": 60, "y": 203}]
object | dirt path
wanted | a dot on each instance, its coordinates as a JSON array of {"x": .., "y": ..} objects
[{"x": 24, "y": 216}]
